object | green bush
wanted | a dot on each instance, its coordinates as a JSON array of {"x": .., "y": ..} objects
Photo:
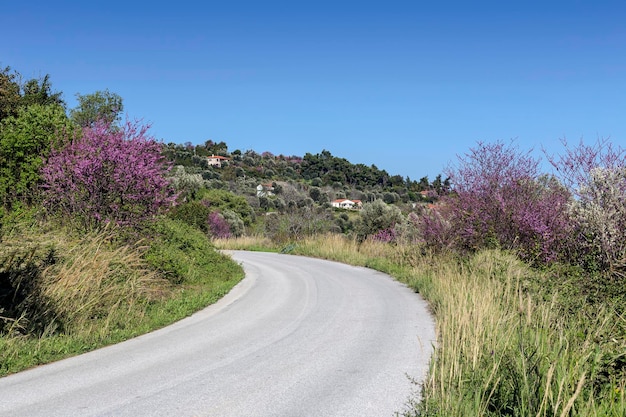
[
  {"x": 193, "y": 213},
  {"x": 25, "y": 141},
  {"x": 222, "y": 200},
  {"x": 375, "y": 217},
  {"x": 185, "y": 255}
]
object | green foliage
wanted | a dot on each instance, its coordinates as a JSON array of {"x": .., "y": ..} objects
[
  {"x": 344, "y": 222},
  {"x": 25, "y": 141},
  {"x": 323, "y": 170},
  {"x": 14, "y": 95},
  {"x": 318, "y": 195},
  {"x": 225, "y": 200},
  {"x": 40, "y": 92},
  {"x": 192, "y": 213},
  {"x": 185, "y": 255},
  {"x": 375, "y": 217},
  {"x": 185, "y": 183},
  {"x": 9, "y": 92},
  {"x": 12, "y": 220},
  {"x": 197, "y": 214},
  {"x": 265, "y": 203},
  {"x": 235, "y": 223},
  {"x": 298, "y": 223},
  {"x": 212, "y": 148},
  {"x": 97, "y": 107}
]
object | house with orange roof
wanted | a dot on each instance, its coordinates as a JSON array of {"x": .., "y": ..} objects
[
  {"x": 216, "y": 160},
  {"x": 344, "y": 203}
]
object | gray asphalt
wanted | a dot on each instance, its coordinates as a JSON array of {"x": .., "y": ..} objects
[{"x": 297, "y": 337}]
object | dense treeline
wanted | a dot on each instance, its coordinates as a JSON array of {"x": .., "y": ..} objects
[{"x": 319, "y": 170}]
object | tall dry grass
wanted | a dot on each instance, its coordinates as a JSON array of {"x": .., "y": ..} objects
[
  {"x": 74, "y": 293},
  {"x": 245, "y": 243},
  {"x": 502, "y": 352},
  {"x": 68, "y": 294},
  {"x": 100, "y": 281}
]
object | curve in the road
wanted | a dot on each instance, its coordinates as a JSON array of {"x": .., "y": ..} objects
[{"x": 297, "y": 337}]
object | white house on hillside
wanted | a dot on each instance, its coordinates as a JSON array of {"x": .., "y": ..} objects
[
  {"x": 344, "y": 203},
  {"x": 216, "y": 160},
  {"x": 264, "y": 190}
]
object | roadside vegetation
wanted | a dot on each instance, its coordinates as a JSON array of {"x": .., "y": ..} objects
[
  {"x": 66, "y": 293},
  {"x": 511, "y": 340},
  {"x": 524, "y": 274},
  {"x": 88, "y": 254},
  {"x": 107, "y": 233}
]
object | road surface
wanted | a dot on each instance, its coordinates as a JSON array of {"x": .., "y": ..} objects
[{"x": 297, "y": 337}]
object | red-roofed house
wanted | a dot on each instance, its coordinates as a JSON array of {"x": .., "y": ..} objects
[
  {"x": 347, "y": 204},
  {"x": 216, "y": 160}
]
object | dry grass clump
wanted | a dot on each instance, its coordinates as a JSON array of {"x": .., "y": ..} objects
[
  {"x": 62, "y": 294},
  {"x": 244, "y": 243},
  {"x": 60, "y": 282},
  {"x": 99, "y": 280}
]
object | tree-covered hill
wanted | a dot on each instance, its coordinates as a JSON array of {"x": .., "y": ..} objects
[{"x": 336, "y": 177}]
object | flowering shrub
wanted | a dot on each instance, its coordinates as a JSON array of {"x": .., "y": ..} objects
[
  {"x": 600, "y": 215},
  {"x": 540, "y": 222},
  {"x": 499, "y": 200},
  {"x": 435, "y": 229},
  {"x": 596, "y": 175},
  {"x": 385, "y": 236},
  {"x": 108, "y": 175},
  {"x": 218, "y": 226},
  {"x": 575, "y": 166}
]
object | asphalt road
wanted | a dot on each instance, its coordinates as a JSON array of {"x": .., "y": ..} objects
[{"x": 297, "y": 337}]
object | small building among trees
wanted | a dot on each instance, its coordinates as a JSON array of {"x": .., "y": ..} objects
[
  {"x": 344, "y": 203},
  {"x": 216, "y": 160},
  {"x": 264, "y": 190}
]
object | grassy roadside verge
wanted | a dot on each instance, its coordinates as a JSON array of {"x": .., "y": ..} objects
[
  {"x": 78, "y": 293},
  {"x": 512, "y": 341}
]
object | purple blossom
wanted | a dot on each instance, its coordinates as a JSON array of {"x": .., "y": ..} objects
[
  {"x": 500, "y": 200},
  {"x": 108, "y": 175},
  {"x": 386, "y": 235},
  {"x": 218, "y": 225}
]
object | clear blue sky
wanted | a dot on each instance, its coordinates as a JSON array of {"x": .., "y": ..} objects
[{"x": 404, "y": 85}]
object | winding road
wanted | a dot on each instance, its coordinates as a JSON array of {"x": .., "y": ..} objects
[{"x": 297, "y": 337}]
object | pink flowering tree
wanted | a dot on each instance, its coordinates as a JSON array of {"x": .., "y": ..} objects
[
  {"x": 596, "y": 175},
  {"x": 108, "y": 175},
  {"x": 218, "y": 225},
  {"x": 500, "y": 200}
]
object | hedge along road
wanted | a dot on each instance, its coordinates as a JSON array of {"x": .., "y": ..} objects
[{"x": 297, "y": 337}]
